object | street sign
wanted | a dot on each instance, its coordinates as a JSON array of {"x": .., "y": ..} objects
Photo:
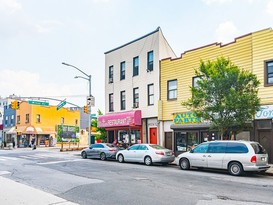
[
  {"x": 90, "y": 101},
  {"x": 61, "y": 104},
  {"x": 33, "y": 102}
]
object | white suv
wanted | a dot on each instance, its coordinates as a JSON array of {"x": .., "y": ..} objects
[{"x": 234, "y": 156}]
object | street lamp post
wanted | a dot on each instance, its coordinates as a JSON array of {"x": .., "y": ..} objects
[{"x": 88, "y": 77}]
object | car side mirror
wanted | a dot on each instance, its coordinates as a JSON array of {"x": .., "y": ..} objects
[{"x": 191, "y": 151}]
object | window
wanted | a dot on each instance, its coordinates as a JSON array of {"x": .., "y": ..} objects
[
  {"x": 76, "y": 122},
  {"x": 217, "y": 147},
  {"x": 111, "y": 74},
  {"x": 27, "y": 118},
  {"x": 143, "y": 147},
  {"x": 97, "y": 146},
  {"x": 122, "y": 100},
  {"x": 18, "y": 119},
  {"x": 62, "y": 120},
  {"x": 122, "y": 70},
  {"x": 111, "y": 102},
  {"x": 150, "y": 61},
  {"x": 236, "y": 148},
  {"x": 6, "y": 120},
  {"x": 194, "y": 81},
  {"x": 136, "y": 98},
  {"x": 135, "y": 66},
  {"x": 12, "y": 120},
  {"x": 269, "y": 72},
  {"x": 202, "y": 148},
  {"x": 172, "y": 89},
  {"x": 150, "y": 94},
  {"x": 38, "y": 118},
  {"x": 134, "y": 147},
  {"x": 258, "y": 148}
]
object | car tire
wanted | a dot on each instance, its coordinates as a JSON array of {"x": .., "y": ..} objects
[
  {"x": 235, "y": 168},
  {"x": 148, "y": 161},
  {"x": 84, "y": 155},
  {"x": 120, "y": 158},
  {"x": 102, "y": 156},
  {"x": 184, "y": 164}
]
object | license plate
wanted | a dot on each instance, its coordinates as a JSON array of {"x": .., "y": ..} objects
[
  {"x": 168, "y": 153},
  {"x": 263, "y": 158}
]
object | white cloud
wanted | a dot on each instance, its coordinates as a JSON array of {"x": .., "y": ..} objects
[
  {"x": 26, "y": 84},
  {"x": 10, "y": 6},
  {"x": 226, "y": 32},
  {"x": 269, "y": 7},
  {"x": 47, "y": 26},
  {"x": 216, "y": 1}
]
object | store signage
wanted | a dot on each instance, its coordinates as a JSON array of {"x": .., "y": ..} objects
[
  {"x": 186, "y": 118},
  {"x": 131, "y": 118},
  {"x": 265, "y": 112}
]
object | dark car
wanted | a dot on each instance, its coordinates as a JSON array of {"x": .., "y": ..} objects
[{"x": 100, "y": 150}]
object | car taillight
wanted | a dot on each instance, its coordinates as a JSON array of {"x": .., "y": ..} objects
[
  {"x": 172, "y": 153},
  {"x": 159, "y": 152},
  {"x": 112, "y": 150},
  {"x": 253, "y": 159}
]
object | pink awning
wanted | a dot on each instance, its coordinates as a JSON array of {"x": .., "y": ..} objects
[{"x": 131, "y": 118}]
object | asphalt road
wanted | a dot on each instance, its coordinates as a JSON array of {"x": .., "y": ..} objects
[{"x": 89, "y": 181}]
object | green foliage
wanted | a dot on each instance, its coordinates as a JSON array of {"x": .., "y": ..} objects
[
  {"x": 225, "y": 95},
  {"x": 102, "y": 132}
]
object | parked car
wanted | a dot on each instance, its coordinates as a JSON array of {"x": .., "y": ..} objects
[
  {"x": 146, "y": 153},
  {"x": 100, "y": 150},
  {"x": 235, "y": 156}
]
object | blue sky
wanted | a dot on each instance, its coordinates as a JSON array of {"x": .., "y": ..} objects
[{"x": 36, "y": 36}]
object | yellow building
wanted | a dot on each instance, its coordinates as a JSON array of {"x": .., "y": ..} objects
[
  {"x": 41, "y": 123},
  {"x": 180, "y": 128}
]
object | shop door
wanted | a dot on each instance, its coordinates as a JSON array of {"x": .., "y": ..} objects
[
  {"x": 266, "y": 140},
  {"x": 168, "y": 140},
  {"x": 153, "y": 135}
]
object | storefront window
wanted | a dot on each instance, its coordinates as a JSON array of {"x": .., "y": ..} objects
[
  {"x": 186, "y": 141},
  {"x": 129, "y": 137}
]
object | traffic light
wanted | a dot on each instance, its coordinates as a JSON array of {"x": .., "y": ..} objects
[
  {"x": 85, "y": 109},
  {"x": 15, "y": 105}
]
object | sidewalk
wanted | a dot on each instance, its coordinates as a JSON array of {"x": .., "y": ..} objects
[{"x": 16, "y": 193}]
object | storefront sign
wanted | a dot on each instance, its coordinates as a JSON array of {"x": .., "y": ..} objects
[
  {"x": 265, "y": 112},
  {"x": 185, "y": 118},
  {"x": 131, "y": 118}
]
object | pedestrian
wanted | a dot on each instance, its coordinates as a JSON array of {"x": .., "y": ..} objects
[{"x": 33, "y": 143}]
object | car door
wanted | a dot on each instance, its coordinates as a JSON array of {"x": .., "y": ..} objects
[
  {"x": 198, "y": 156},
  {"x": 130, "y": 153},
  {"x": 97, "y": 150},
  {"x": 141, "y": 153},
  {"x": 216, "y": 154},
  {"x": 90, "y": 152}
]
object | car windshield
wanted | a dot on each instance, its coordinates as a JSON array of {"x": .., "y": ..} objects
[
  {"x": 155, "y": 146},
  {"x": 258, "y": 148}
]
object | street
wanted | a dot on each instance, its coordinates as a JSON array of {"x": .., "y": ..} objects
[{"x": 88, "y": 181}]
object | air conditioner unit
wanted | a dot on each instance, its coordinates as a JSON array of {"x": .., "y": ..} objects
[
  {"x": 136, "y": 105},
  {"x": 110, "y": 80}
]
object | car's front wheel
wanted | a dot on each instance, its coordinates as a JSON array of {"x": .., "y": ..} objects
[
  {"x": 148, "y": 161},
  {"x": 84, "y": 155},
  {"x": 235, "y": 168},
  {"x": 184, "y": 164},
  {"x": 120, "y": 158}
]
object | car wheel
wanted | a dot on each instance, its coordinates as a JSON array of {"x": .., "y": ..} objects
[
  {"x": 235, "y": 168},
  {"x": 148, "y": 161},
  {"x": 184, "y": 164},
  {"x": 103, "y": 156},
  {"x": 84, "y": 155},
  {"x": 120, "y": 158}
]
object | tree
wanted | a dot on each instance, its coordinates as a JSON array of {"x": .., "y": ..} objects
[
  {"x": 225, "y": 95},
  {"x": 101, "y": 131}
]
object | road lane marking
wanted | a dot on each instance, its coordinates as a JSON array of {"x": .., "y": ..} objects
[
  {"x": 4, "y": 172},
  {"x": 56, "y": 162}
]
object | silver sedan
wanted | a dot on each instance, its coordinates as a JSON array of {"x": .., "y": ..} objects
[
  {"x": 102, "y": 151},
  {"x": 146, "y": 153}
]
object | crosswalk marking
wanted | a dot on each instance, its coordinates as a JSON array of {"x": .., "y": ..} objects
[
  {"x": 7, "y": 158},
  {"x": 56, "y": 162}
]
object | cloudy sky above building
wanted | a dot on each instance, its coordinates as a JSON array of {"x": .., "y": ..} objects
[{"x": 36, "y": 36}]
